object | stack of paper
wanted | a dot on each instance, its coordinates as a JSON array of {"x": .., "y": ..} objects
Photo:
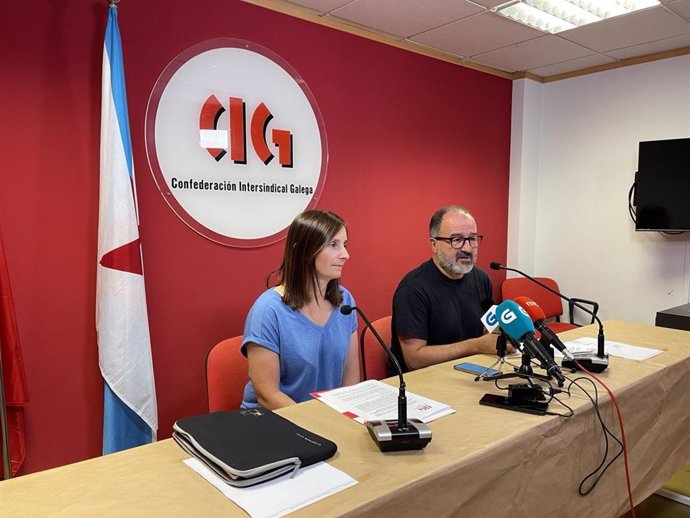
[
  {"x": 588, "y": 344},
  {"x": 375, "y": 401},
  {"x": 283, "y": 495}
]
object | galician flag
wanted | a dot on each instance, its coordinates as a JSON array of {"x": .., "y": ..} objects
[{"x": 124, "y": 347}]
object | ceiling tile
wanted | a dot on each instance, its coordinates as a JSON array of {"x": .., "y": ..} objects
[
  {"x": 572, "y": 65},
  {"x": 476, "y": 35},
  {"x": 681, "y": 8},
  {"x": 631, "y": 29},
  {"x": 468, "y": 29},
  {"x": 651, "y": 47},
  {"x": 322, "y": 6},
  {"x": 539, "y": 52},
  {"x": 489, "y": 3},
  {"x": 404, "y": 18}
]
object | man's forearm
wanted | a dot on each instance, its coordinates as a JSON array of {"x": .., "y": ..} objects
[{"x": 418, "y": 354}]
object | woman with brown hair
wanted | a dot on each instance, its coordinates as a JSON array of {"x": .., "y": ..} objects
[{"x": 295, "y": 338}]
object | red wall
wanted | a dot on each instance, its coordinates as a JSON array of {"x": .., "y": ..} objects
[{"x": 406, "y": 134}]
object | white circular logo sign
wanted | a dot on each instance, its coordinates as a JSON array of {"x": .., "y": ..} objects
[{"x": 235, "y": 142}]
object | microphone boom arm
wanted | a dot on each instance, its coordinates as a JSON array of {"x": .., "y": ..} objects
[
  {"x": 402, "y": 397},
  {"x": 601, "y": 348}
]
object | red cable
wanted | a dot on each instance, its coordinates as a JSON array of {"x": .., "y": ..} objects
[{"x": 625, "y": 446}]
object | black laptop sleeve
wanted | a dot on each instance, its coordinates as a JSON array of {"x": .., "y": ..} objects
[{"x": 247, "y": 447}]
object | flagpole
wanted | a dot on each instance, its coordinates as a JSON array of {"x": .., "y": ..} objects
[
  {"x": 124, "y": 344},
  {"x": 6, "y": 467}
]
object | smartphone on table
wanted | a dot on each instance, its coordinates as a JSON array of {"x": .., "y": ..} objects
[{"x": 476, "y": 369}]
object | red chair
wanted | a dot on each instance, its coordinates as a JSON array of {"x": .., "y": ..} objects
[
  {"x": 226, "y": 375},
  {"x": 373, "y": 359},
  {"x": 549, "y": 302}
]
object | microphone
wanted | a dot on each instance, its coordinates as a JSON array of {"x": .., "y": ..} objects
[
  {"x": 490, "y": 324},
  {"x": 537, "y": 315},
  {"x": 489, "y": 317},
  {"x": 401, "y": 434},
  {"x": 517, "y": 325},
  {"x": 593, "y": 363}
]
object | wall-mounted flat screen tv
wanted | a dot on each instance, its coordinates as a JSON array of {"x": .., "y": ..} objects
[{"x": 662, "y": 185}]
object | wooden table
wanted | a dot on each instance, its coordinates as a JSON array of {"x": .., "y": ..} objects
[{"x": 482, "y": 461}]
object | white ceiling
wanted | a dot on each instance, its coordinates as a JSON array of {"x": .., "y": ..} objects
[{"x": 469, "y": 31}]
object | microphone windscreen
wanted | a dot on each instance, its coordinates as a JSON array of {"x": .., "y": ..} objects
[
  {"x": 513, "y": 320},
  {"x": 345, "y": 309},
  {"x": 495, "y": 266},
  {"x": 533, "y": 309}
]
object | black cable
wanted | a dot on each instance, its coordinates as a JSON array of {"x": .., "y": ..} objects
[
  {"x": 603, "y": 465},
  {"x": 631, "y": 208},
  {"x": 570, "y": 413},
  {"x": 551, "y": 391}
]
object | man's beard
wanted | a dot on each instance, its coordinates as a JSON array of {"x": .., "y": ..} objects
[{"x": 452, "y": 267}]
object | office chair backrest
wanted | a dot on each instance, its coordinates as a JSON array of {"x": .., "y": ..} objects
[
  {"x": 226, "y": 375},
  {"x": 551, "y": 304},
  {"x": 373, "y": 359}
]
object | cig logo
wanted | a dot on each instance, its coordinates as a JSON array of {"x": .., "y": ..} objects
[
  {"x": 232, "y": 129},
  {"x": 209, "y": 119}
]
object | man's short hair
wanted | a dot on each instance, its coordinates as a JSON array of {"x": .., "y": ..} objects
[{"x": 437, "y": 218}]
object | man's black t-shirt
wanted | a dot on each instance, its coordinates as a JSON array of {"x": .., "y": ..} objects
[{"x": 433, "y": 307}]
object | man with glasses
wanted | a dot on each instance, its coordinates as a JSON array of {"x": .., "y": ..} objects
[{"x": 437, "y": 306}]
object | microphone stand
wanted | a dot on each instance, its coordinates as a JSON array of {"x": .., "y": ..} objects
[
  {"x": 401, "y": 434},
  {"x": 526, "y": 363},
  {"x": 525, "y": 370},
  {"x": 596, "y": 363},
  {"x": 402, "y": 396},
  {"x": 522, "y": 397},
  {"x": 501, "y": 348}
]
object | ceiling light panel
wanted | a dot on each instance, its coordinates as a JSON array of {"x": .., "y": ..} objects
[{"x": 554, "y": 16}]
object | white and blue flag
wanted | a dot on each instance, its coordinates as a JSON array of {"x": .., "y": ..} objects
[{"x": 124, "y": 347}]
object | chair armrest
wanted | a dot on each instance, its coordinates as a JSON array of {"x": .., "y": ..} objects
[{"x": 583, "y": 302}]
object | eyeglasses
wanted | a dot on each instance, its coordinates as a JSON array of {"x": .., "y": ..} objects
[{"x": 459, "y": 241}]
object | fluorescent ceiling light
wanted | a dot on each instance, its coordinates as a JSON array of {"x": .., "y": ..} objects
[{"x": 559, "y": 15}]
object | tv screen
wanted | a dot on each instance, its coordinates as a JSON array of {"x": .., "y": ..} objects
[{"x": 662, "y": 185}]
